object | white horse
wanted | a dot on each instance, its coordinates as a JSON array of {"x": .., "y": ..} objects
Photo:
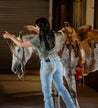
[{"x": 25, "y": 53}]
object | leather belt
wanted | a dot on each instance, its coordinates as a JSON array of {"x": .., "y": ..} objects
[{"x": 45, "y": 58}]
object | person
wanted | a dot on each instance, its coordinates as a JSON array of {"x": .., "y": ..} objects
[{"x": 51, "y": 67}]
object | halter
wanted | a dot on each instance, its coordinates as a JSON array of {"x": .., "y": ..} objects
[{"x": 20, "y": 76}]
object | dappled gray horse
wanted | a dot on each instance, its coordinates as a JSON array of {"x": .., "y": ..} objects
[{"x": 25, "y": 53}]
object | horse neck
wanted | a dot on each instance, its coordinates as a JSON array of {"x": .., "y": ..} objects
[
  {"x": 60, "y": 41},
  {"x": 27, "y": 38}
]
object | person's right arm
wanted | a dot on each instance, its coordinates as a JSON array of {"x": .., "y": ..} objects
[{"x": 16, "y": 41}]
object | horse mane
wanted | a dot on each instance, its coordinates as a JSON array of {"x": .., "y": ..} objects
[{"x": 29, "y": 37}]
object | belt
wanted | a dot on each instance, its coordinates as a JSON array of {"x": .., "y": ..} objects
[{"x": 45, "y": 58}]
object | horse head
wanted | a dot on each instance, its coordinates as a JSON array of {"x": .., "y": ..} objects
[{"x": 20, "y": 56}]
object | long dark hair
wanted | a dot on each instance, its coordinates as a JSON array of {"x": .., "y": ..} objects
[{"x": 45, "y": 33}]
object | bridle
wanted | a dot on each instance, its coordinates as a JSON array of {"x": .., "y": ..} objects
[
  {"x": 23, "y": 57},
  {"x": 20, "y": 76}
]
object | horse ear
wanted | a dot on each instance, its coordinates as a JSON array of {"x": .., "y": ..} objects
[{"x": 20, "y": 35}]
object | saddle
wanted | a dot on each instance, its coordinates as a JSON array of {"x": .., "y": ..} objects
[
  {"x": 83, "y": 37},
  {"x": 86, "y": 35}
]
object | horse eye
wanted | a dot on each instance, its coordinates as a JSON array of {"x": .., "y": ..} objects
[
  {"x": 63, "y": 31},
  {"x": 18, "y": 50}
]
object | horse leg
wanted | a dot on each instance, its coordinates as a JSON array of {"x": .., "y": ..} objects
[
  {"x": 57, "y": 98},
  {"x": 92, "y": 65},
  {"x": 86, "y": 69},
  {"x": 72, "y": 88},
  {"x": 72, "y": 85}
]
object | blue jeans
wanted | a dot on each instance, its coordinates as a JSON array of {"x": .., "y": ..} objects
[{"x": 49, "y": 71}]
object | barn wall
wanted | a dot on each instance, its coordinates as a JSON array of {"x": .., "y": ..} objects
[
  {"x": 62, "y": 12},
  {"x": 14, "y": 14}
]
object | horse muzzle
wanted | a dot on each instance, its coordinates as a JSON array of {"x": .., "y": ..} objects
[{"x": 18, "y": 69}]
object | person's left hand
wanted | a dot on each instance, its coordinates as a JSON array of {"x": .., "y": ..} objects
[{"x": 30, "y": 27}]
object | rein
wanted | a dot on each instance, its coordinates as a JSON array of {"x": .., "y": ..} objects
[
  {"x": 23, "y": 57},
  {"x": 71, "y": 40},
  {"x": 20, "y": 76}
]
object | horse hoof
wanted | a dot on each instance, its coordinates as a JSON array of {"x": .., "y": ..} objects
[{"x": 21, "y": 75}]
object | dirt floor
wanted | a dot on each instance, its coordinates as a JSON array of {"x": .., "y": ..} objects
[{"x": 15, "y": 93}]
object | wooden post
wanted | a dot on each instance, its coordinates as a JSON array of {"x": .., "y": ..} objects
[{"x": 50, "y": 12}]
